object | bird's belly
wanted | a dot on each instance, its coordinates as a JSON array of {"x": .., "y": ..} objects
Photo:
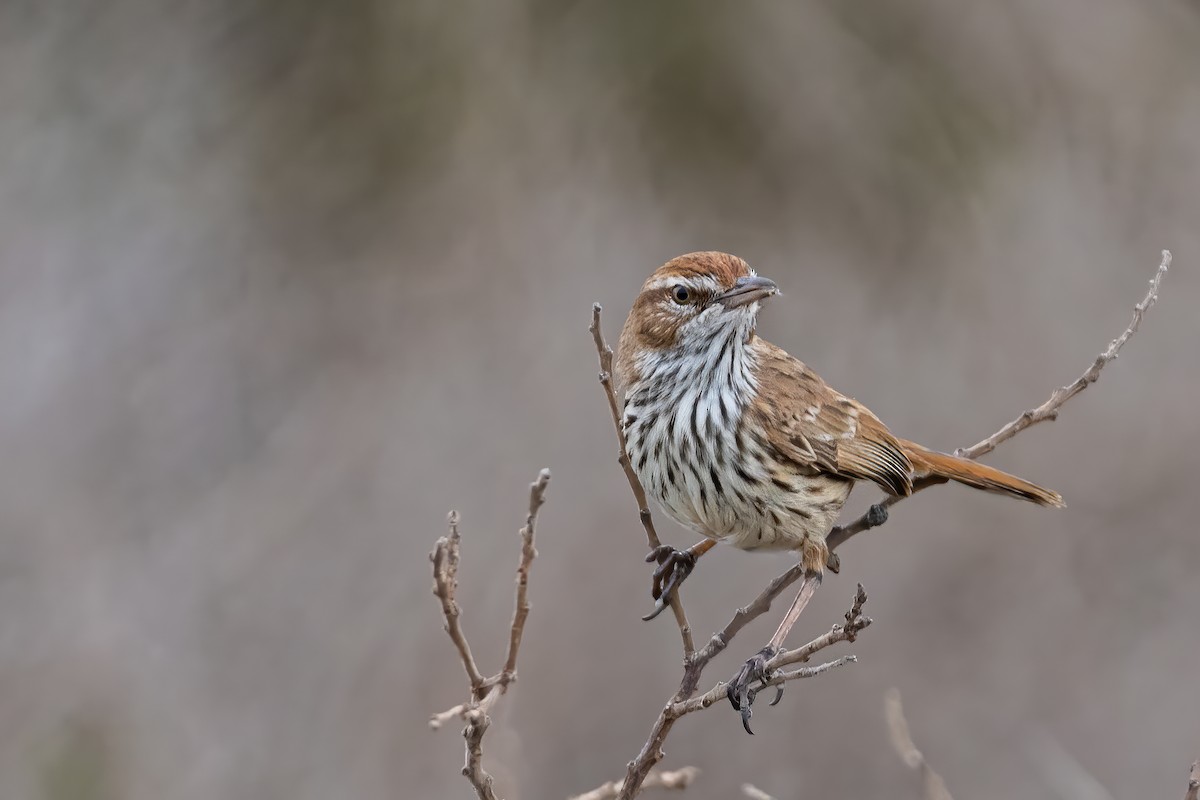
[
  {"x": 785, "y": 518},
  {"x": 723, "y": 493}
]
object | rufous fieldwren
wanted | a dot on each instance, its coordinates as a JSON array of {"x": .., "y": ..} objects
[{"x": 742, "y": 443}]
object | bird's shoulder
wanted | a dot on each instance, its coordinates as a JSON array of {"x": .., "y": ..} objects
[{"x": 809, "y": 422}]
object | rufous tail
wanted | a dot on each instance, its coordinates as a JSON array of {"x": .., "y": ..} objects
[{"x": 929, "y": 464}]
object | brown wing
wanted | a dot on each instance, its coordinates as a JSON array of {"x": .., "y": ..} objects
[{"x": 824, "y": 431}]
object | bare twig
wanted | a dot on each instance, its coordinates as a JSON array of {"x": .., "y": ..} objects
[
  {"x": 484, "y": 691},
  {"x": 1046, "y": 411},
  {"x": 442, "y": 717},
  {"x": 477, "y": 725},
  {"x": 1049, "y": 409},
  {"x": 537, "y": 496},
  {"x": 748, "y": 613},
  {"x": 684, "y": 702},
  {"x": 1193, "y": 787},
  {"x": 651, "y": 753},
  {"x": 675, "y": 779},
  {"x": 445, "y": 582},
  {"x": 717, "y": 693},
  {"x": 935, "y": 787},
  {"x": 605, "y": 354},
  {"x": 755, "y": 793},
  {"x": 855, "y": 622}
]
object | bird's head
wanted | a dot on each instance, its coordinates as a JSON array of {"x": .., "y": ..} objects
[{"x": 693, "y": 302}]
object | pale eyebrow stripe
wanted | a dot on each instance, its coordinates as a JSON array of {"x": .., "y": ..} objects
[{"x": 700, "y": 283}]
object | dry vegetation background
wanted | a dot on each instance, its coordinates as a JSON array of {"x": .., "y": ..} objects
[{"x": 281, "y": 282}]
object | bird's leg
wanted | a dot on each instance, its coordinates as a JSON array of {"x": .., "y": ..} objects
[
  {"x": 675, "y": 566},
  {"x": 739, "y": 691}
]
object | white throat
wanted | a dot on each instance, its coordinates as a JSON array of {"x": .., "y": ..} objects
[{"x": 683, "y": 421}]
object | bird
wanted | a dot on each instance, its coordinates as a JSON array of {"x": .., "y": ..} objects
[{"x": 745, "y": 444}]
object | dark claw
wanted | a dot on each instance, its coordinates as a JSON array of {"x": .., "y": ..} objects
[
  {"x": 659, "y": 605},
  {"x": 834, "y": 563},
  {"x": 778, "y": 695},
  {"x": 877, "y": 515},
  {"x": 673, "y": 565},
  {"x": 740, "y": 691},
  {"x": 659, "y": 553},
  {"x": 678, "y": 573},
  {"x": 742, "y": 700}
]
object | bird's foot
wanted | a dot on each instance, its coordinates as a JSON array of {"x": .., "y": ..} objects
[
  {"x": 740, "y": 690},
  {"x": 673, "y": 568},
  {"x": 877, "y": 515}
]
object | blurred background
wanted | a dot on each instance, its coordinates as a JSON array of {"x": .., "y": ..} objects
[{"x": 283, "y": 282}]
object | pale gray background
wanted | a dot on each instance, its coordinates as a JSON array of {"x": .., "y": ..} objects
[{"x": 282, "y": 282}]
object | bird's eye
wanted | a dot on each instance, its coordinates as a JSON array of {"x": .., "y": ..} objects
[{"x": 681, "y": 294}]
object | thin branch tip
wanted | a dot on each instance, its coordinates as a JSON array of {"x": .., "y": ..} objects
[
  {"x": 436, "y": 721},
  {"x": 754, "y": 793},
  {"x": 483, "y": 692},
  {"x": 1046, "y": 412}
]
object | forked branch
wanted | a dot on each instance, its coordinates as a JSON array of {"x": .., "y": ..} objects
[
  {"x": 484, "y": 692},
  {"x": 685, "y": 700}
]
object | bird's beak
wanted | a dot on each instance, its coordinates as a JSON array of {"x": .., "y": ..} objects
[{"x": 748, "y": 290}]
